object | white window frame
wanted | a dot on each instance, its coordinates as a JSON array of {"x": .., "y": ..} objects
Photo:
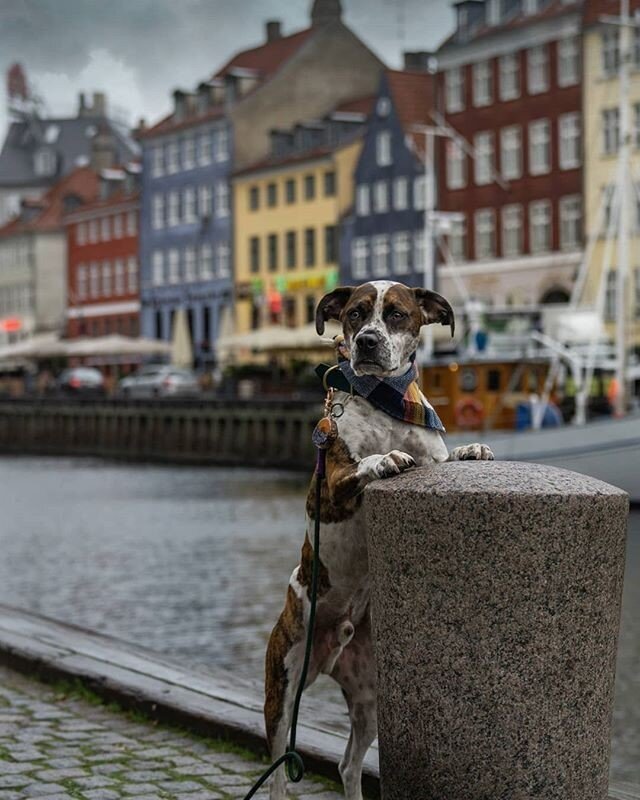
[
  {"x": 454, "y": 90},
  {"x": 173, "y": 265},
  {"x": 157, "y": 161},
  {"x": 383, "y": 148},
  {"x": 204, "y": 148},
  {"x": 512, "y": 230},
  {"x": 380, "y": 255},
  {"x": 105, "y": 229},
  {"x": 484, "y": 224},
  {"x": 540, "y": 147},
  {"x": 610, "y": 131},
  {"x": 401, "y": 252},
  {"x": 419, "y": 193},
  {"x": 360, "y": 257},
  {"x": 157, "y": 267},
  {"x": 81, "y": 233},
  {"x": 132, "y": 223},
  {"x": 221, "y": 199},
  {"x": 92, "y": 236},
  {"x": 206, "y": 261},
  {"x": 223, "y": 260},
  {"x": 132, "y": 275},
  {"x": 188, "y": 152},
  {"x": 173, "y": 210},
  {"x": 157, "y": 211},
  {"x": 172, "y": 157},
  {"x": 401, "y": 193},
  {"x": 117, "y": 226},
  {"x": 509, "y": 77},
  {"x": 418, "y": 251},
  {"x": 363, "y": 200},
  {"x": 81, "y": 282},
  {"x": 568, "y": 50},
  {"x": 189, "y": 205},
  {"x": 205, "y": 201},
  {"x": 456, "y": 165},
  {"x": 511, "y": 152},
  {"x": 457, "y": 240},
  {"x": 610, "y": 51},
  {"x": 483, "y": 163},
  {"x": 569, "y": 134},
  {"x": 190, "y": 266},
  {"x": 482, "y": 85},
  {"x": 118, "y": 276},
  {"x": 221, "y": 144},
  {"x": 381, "y": 197},
  {"x": 570, "y": 211},
  {"x": 94, "y": 280},
  {"x": 540, "y": 210},
  {"x": 538, "y": 69}
]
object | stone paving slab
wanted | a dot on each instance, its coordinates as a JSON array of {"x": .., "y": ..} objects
[{"x": 107, "y": 755}]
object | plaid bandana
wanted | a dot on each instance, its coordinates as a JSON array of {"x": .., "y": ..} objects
[{"x": 399, "y": 397}]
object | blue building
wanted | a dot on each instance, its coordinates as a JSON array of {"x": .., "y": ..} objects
[{"x": 383, "y": 236}]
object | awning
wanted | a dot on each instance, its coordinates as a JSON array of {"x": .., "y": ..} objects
[{"x": 51, "y": 346}]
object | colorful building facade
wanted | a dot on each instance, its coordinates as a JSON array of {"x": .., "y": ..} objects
[{"x": 510, "y": 97}]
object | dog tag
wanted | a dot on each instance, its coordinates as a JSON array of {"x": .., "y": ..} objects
[{"x": 325, "y": 433}]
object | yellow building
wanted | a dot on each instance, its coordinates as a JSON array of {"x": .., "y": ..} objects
[
  {"x": 287, "y": 213},
  {"x": 601, "y": 126}
]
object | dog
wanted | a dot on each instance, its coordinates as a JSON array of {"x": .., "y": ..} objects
[{"x": 381, "y": 323}]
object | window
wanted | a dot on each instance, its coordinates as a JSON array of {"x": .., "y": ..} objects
[
  {"x": 189, "y": 152},
  {"x": 511, "y": 152},
  {"x": 118, "y": 276},
  {"x": 81, "y": 282},
  {"x": 44, "y": 162},
  {"x": 458, "y": 240},
  {"x": 173, "y": 212},
  {"x": 456, "y": 165},
  {"x": 206, "y": 261},
  {"x": 309, "y": 187},
  {"x": 419, "y": 193},
  {"x": 483, "y": 164},
  {"x": 309, "y": 247},
  {"x": 81, "y": 229},
  {"x": 380, "y": 263},
  {"x": 272, "y": 252},
  {"x": 272, "y": 195},
  {"x": 482, "y": 89},
  {"x": 568, "y": 61},
  {"x": 157, "y": 161},
  {"x": 359, "y": 257},
  {"x": 539, "y": 147},
  {"x": 485, "y": 238},
  {"x": 330, "y": 244},
  {"x": 383, "y": 149},
  {"x": 570, "y": 208},
  {"x": 174, "y": 266},
  {"x": 380, "y": 197},
  {"x": 204, "y": 149},
  {"x": 157, "y": 211},
  {"x": 290, "y": 191},
  {"x": 221, "y": 144},
  {"x": 363, "y": 206},
  {"x": 254, "y": 254},
  {"x": 190, "y": 263},
  {"x": 401, "y": 251},
  {"x": 454, "y": 90},
  {"x": 610, "y": 51},
  {"x": 223, "y": 257},
  {"x": 205, "y": 201},
  {"x": 610, "y": 297},
  {"x": 310, "y": 308},
  {"x": 610, "y": 131},
  {"x": 222, "y": 199},
  {"x": 94, "y": 280},
  {"x": 330, "y": 184},
  {"x": 117, "y": 227},
  {"x": 538, "y": 69},
  {"x": 172, "y": 157},
  {"x": 291, "y": 243},
  {"x": 509, "y": 77},
  {"x": 400, "y": 194},
  {"x": 569, "y": 146},
  {"x": 512, "y": 230},
  {"x": 157, "y": 262},
  {"x": 93, "y": 230},
  {"x": 540, "y": 226},
  {"x": 105, "y": 229},
  {"x": 132, "y": 223},
  {"x": 189, "y": 205},
  {"x": 418, "y": 250}
]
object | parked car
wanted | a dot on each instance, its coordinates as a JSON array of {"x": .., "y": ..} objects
[
  {"x": 81, "y": 382},
  {"x": 159, "y": 380}
]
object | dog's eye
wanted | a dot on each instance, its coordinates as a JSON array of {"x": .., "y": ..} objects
[
  {"x": 354, "y": 313},
  {"x": 397, "y": 315}
]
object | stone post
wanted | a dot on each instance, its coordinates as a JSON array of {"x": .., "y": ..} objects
[{"x": 496, "y": 591}]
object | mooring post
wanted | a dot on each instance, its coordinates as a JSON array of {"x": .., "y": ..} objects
[{"x": 496, "y": 591}]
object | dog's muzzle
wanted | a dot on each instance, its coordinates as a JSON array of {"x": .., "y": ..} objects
[{"x": 367, "y": 344}]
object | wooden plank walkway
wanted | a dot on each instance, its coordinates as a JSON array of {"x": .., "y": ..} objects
[{"x": 212, "y": 704}]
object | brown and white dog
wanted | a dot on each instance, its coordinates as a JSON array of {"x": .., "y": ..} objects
[{"x": 381, "y": 323}]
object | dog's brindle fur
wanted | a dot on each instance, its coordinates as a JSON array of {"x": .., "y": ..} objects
[{"x": 371, "y": 445}]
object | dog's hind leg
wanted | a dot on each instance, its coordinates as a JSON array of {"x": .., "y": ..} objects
[{"x": 355, "y": 671}]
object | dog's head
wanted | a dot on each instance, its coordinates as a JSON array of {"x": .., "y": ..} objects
[{"x": 381, "y": 322}]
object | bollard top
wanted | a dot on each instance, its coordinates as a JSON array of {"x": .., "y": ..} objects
[{"x": 506, "y": 478}]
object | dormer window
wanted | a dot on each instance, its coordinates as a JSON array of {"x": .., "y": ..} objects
[{"x": 44, "y": 162}]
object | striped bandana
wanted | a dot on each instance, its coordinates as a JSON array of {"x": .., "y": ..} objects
[{"x": 400, "y": 397}]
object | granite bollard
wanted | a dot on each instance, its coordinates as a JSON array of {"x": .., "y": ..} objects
[{"x": 496, "y": 590}]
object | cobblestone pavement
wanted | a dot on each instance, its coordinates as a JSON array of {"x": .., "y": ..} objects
[{"x": 59, "y": 747}]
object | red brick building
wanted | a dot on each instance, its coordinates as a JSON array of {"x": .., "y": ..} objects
[
  {"x": 509, "y": 83},
  {"x": 102, "y": 273}
]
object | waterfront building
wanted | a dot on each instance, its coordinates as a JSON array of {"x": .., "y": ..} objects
[
  {"x": 287, "y": 210},
  {"x": 102, "y": 260},
  {"x": 33, "y": 258},
  {"x": 509, "y": 85},
  {"x": 39, "y": 149},
  {"x": 382, "y": 236},
  {"x": 188, "y": 158},
  {"x": 601, "y": 97}
]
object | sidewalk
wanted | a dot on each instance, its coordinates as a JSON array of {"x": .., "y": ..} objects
[{"x": 60, "y": 747}]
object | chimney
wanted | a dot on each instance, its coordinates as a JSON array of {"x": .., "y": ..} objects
[
  {"x": 82, "y": 105},
  {"x": 326, "y": 11},
  {"x": 99, "y": 104},
  {"x": 273, "y": 30},
  {"x": 418, "y": 61},
  {"x": 103, "y": 148}
]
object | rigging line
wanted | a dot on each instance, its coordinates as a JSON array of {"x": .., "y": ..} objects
[{"x": 461, "y": 286}]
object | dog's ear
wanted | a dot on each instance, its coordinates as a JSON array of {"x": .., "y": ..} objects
[
  {"x": 435, "y": 308},
  {"x": 331, "y": 305}
]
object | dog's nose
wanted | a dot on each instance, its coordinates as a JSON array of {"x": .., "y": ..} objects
[{"x": 368, "y": 341}]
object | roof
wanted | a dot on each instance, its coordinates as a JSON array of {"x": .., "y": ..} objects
[
  {"x": 413, "y": 97},
  {"x": 68, "y": 139},
  {"x": 357, "y": 105},
  {"x": 116, "y": 200},
  {"x": 594, "y": 9},
  {"x": 47, "y": 212},
  {"x": 555, "y": 8}
]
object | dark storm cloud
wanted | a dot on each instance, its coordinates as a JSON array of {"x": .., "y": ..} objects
[{"x": 169, "y": 43}]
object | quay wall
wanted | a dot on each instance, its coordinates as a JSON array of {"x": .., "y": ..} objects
[{"x": 266, "y": 433}]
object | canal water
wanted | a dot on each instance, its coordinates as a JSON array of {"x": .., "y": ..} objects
[{"x": 194, "y": 562}]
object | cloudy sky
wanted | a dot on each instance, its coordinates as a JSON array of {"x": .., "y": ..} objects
[{"x": 137, "y": 51}]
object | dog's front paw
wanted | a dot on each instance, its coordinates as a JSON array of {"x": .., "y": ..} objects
[
  {"x": 392, "y": 463},
  {"x": 471, "y": 452}
]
